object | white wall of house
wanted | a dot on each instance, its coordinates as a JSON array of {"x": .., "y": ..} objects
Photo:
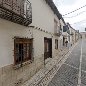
[
  {"x": 60, "y": 42},
  {"x": 74, "y": 36},
  {"x": 62, "y": 24},
  {"x": 7, "y": 32},
  {"x": 63, "y": 33},
  {"x": 43, "y": 18},
  {"x": 42, "y": 15}
]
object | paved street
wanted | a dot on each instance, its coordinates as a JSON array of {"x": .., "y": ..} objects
[{"x": 73, "y": 71}]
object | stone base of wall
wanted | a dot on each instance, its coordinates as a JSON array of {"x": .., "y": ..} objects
[{"x": 15, "y": 77}]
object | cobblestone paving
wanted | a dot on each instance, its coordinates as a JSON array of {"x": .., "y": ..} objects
[
  {"x": 66, "y": 76},
  {"x": 83, "y": 85},
  {"x": 69, "y": 71},
  {"x": 73, "y": 60},
  {"x": 83, "y": 78}
]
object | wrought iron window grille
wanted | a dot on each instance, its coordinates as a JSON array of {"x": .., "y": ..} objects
[{"x": 16, "y": 11}]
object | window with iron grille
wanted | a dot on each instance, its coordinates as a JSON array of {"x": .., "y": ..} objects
[
  {"x": 22, "y": 50},
  {"x": 17, "y": 11}
]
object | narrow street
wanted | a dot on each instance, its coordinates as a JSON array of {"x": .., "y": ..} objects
[
  {"x": 42, "y": 43},
  {"x": 73, "y": 71}
]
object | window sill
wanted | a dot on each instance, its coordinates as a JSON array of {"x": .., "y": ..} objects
[{"x": 18, "y": 66}]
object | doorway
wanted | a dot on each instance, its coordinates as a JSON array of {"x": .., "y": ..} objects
[
  {"x": 47, "y": 48},
  {"x": 63, "y": 41}
]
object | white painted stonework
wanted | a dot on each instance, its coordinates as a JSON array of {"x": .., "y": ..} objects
[
  {"x": 8, "y": 31},
  {"x": 42, "y": 17},
  {"x": 83, "y": 34},
  {"x": 43, "y": 20}
]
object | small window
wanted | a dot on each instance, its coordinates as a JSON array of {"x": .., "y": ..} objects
[
  {"x": 56, "y": 44},
  {"x": 22, "y": 50}
]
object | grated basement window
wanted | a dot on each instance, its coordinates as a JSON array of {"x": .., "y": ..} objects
[{"x": 22, "y": 50}]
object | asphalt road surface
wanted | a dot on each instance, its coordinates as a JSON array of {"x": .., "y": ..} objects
[{"x": 73, "y": 71}]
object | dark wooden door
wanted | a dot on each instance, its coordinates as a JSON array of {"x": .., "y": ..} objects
[
  {"x": 63, "y": 41},
  {"x": 47, "y": 48}
]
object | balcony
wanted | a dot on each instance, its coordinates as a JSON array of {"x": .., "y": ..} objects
[
  {"x": 16, "y": 11},
  {"x": 65, "y": 28}
]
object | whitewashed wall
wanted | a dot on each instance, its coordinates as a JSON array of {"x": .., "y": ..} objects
[
  {"x": 38, "y": 42},
  {"x": 42, "y": 15},
  {"x": 9, "y": 30}
]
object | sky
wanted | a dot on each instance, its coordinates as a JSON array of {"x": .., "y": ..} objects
[{"x": 77, "y": 19}]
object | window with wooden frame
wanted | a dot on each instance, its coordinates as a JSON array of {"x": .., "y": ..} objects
[
  {"x": 22, "y": 50},
  {"x": 56, "y": 44}
]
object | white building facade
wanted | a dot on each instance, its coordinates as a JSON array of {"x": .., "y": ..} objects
[
  {"x": 26, "y": 41},
  {"x": 83, "y": 35},
  {"x": 73, "y": 34}
]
